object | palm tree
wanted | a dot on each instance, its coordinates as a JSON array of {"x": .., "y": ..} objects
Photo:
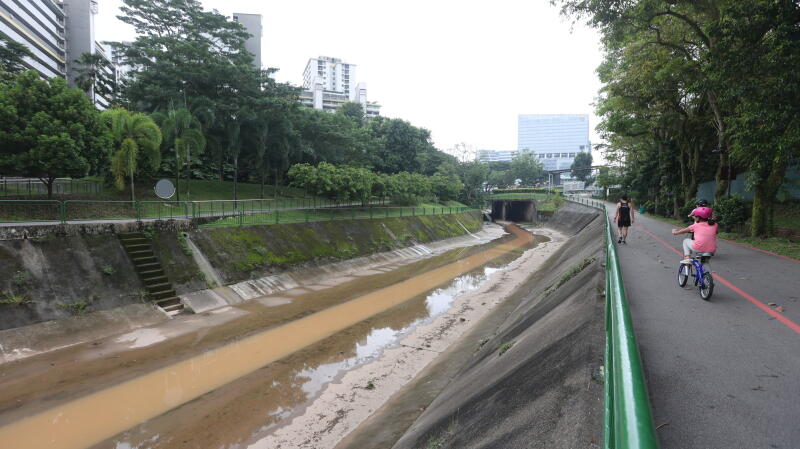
[
  {"x": 182, "y": 132},
  {"x": 92, "y": 77},
  {"x": 133, "y": 133}
]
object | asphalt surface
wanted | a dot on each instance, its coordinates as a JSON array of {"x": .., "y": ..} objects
[{"x": 723, "y": 373}]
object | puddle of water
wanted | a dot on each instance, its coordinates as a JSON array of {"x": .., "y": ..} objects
[
  {"x": 283, "y": 394},
  {"x": 98, "y": 416},
  {"x": 141, "y": 338}
]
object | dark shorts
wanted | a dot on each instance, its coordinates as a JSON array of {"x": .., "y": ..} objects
[{"x": 623, "y": 222}]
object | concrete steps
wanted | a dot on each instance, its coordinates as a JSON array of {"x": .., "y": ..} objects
[{"x": 150, "y": 272}]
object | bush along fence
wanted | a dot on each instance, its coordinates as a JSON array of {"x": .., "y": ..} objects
[
  {"x": 207, "y": 213},
  {"x": 628, "y": 419}
]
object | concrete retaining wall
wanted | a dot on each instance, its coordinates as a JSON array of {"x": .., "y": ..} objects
[
  {"x": 543, "y": 391},
  {"x": 55, "y": 272}
]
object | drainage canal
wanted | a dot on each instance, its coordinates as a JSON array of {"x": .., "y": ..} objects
[{"x": 237, "y": 393}]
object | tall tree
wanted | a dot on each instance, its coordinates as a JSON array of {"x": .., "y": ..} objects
[
  {"x": 581, "y": 166},
  {"x": 183, "y": 136},
  {"x": 49, "y": 131},
  {"x": 526, "y": 167},
  {"x": 353, "y": 110},
  {"x": 12, "y": 56},
  {"x": 137, "y": 141},
  {"x": 92, "y": 77}
]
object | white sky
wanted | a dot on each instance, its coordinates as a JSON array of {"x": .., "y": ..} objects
[{"x": 462, "y": 69}]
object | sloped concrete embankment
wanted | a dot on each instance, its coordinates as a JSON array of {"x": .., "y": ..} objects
[
  {"x": 528, "y": 375},
  {"x": 72, "y": 271}
]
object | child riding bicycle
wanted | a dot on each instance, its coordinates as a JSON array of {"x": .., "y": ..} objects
[{"x": 705, "y": 234}]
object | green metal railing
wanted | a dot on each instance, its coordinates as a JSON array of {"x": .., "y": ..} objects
[
  {"x": 213, "y": 213},
  {"x": 628, "y": 419},
  {"x": 64, "y": 186},
  {"x": 278, "y": 216}
]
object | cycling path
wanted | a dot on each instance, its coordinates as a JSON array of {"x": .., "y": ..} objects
[{"x": 724, "y": 373}]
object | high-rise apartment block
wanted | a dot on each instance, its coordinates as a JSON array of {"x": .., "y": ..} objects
[
  {"x": 330, "y": 82},
  {"x": 57, "y": 34},
  {"x": 555, "y": 138},
  {"x": 251, "y": 23}
]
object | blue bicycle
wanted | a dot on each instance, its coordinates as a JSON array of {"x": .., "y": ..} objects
[{"x": 702, "y": 278}]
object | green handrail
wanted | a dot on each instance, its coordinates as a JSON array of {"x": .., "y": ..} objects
[{"x": 627, "y": 417}]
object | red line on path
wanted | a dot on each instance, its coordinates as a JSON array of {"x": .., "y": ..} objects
[{"x": 786, "y": 321}]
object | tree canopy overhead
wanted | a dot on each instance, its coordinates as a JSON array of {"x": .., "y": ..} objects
[{"x": 698, "y": 89}]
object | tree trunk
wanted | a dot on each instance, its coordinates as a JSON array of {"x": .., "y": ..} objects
[
  {"x": 694, "y": 169},
  {"x": 133, "y": 189},
  {"x": 235, "y": 175},
  {"x": 188, "y": 174},
  {"x": 682, "y": 160},
  {"x": 49, "y": 183},
  {"x": 721, "y": 179},
  {"x": 275, "y": 191},
  {"x": 761, "y": 224},
  {"x": 178, "y": 184},
  {"x": 263, "y": 175}
]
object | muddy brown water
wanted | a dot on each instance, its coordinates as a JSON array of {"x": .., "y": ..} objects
[{"x": 232, "y": 392}]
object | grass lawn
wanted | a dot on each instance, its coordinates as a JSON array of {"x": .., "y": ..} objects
[
  {"x": 200, "y": 191},
  {"x": 784, "y": 247},
  {"x": 309, "y": 215},
  {"x": 515, "y": 196},
  {"x": 787, "y": 215}
]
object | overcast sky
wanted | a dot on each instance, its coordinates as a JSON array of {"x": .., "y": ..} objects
[{"x": 462, "y": 69}]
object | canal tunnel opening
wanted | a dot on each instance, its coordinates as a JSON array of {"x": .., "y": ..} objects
[{"x": 514, "y": 210}]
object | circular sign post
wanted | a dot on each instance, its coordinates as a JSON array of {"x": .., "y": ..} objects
[{"x": 164, "y": 189}]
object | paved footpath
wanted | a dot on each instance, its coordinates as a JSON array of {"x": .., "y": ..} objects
[{"x": 724, "y": 373}]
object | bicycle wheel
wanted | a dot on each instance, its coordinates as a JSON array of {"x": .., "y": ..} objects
[
  {"x": 683, "y": 274},
  {"x": 707, "y": 287}
]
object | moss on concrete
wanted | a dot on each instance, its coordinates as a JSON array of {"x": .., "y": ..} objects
[
  {"x": 55, "y": 276},
  {"x": 177, "y": 261},
  {"x": 252, "y": 251}
]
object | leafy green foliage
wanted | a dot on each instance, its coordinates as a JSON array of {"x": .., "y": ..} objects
[
  {"x": 693, "y": 89},
  {"x": 354, "y": 183},
  {"x": 92, "y": 76},
  {"x": 730, "y": 211},
  {"x": 49, "y": 131},
  {"x": 75, "y": 308},
  {"x": 137, "y": 140},
  {"x": 580, "y": 166},
  {"x": 12, "y": 55},
  {"x": 505, "y": 347}
]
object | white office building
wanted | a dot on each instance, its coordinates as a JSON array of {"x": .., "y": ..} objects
[
  {"x": 555, "y": 138},
  {"x": 496, "y": 155},
  {"x": 57, "y": 34},
  {"x": 251, "y": 23},
  {"x": 330, "y": 82}
]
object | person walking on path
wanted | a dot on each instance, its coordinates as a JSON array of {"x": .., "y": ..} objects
[{"x": 624, "y": 218}]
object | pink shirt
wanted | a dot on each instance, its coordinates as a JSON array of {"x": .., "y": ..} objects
[{"x": 705, "y": 237}]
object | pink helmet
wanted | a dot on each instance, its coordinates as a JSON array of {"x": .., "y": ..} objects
[{"x": 702, "y": 212}]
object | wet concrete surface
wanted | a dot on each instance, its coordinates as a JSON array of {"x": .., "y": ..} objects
[{"x": 236, "y": 381}]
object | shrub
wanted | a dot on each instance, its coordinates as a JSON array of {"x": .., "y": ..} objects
[
  {"x": 22, "y": 278},
  {"x": 730, "y": 211},
  {"x": 15, "y": 299}
]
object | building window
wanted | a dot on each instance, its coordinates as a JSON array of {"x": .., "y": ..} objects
[
  {"x": 564, "y": 155},
  {"x": 572, "y": 155},
  {"x": 582, "y": 147},
  {"x": 549, "y": 155},
  {"x": 541, "y": 155}
]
